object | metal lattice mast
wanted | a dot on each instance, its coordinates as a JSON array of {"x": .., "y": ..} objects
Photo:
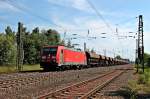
[
  {"x": 136, "y": 56},
  {"x": 19, "y": 60},
  {"x": 141, "y": 42}
]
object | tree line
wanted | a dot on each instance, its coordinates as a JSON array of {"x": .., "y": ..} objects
[
  {"x": 32, "y": 43},
  {"x": 147, "y": 59}
]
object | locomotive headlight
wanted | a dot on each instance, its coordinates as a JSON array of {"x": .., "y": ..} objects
[
  {"x": 43, "y": 57},
  {"x": 53, "y": 57},
  {"x": 54, "y": 60}
]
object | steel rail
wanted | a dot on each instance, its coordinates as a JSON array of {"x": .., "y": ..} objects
[
  {"x": 77, "y": 84},
  {"x": 98, "y": 88}
]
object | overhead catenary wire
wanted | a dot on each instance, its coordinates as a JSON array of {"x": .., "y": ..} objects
[
  {"x": 103, "y": 19},
  {"x": 28, "y": 11},
  {"x": 99, "y": 15},
  {"x": 122, "y": 23},
  {"x": 126, "y": 21}
]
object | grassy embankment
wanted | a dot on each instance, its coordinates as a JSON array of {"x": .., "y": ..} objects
[
  {"x": 141, "y": 86},
  {"x": 9, "y": 69}
]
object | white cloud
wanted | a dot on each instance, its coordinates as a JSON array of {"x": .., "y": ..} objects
[
  {"x": 5, "y": 5},
  {"x": 77, "y": 4},
  {"x": 80, "y": 4}
]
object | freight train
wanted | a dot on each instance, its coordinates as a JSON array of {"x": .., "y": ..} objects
[{"x": 61, "y": 57}]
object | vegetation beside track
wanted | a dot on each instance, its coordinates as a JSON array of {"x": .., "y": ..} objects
[
  {"x": 10, "y": 69},
  {"x": 31, "y": 67},
  {"x": 144, "y": 81},
  {"x": 140, "y": 86}
]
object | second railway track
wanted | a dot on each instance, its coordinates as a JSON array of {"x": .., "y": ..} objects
[{"x": 85, "y": 89}]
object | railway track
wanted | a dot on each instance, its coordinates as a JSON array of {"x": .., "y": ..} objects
[
  {"x": 115, "y": 89},
  {"x": 85, "y": 89},
  {"x": 29, "y": 85}
]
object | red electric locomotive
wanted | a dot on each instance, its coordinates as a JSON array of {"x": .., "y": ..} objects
[{"x": 61, "y": 57}]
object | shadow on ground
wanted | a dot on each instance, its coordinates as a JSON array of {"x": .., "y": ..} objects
[
  {"x": 30, "y": 71},
  {"x": 121, "y": 93},
  {"x": 126, "y": 95}
]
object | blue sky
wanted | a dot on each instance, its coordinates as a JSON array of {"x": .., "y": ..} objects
[{"x": 77, "y": 16}]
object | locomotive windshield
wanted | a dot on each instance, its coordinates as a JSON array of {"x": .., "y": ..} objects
[{"x": 51, "y": 50}]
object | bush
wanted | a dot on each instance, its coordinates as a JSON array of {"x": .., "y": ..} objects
[
  {"x": 142, "y": 79},
  {"x": 7, "y": 50},
  {"x": 132, "y": 89}
]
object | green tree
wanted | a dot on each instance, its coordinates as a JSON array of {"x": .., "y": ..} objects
[
  {"x": 148, "y": 62},
  {"x": 36, "y": 30},
  {"x": 32, "y": 45},
  {"x": 53, "y": 37},
  {"x": 7, "y": 50},
  {"x": 69, "y": 43},
  {"x": 8, "y": 30},
  {"x": 147, "y": 59},
  {"x": 10, "y": 33},
  {"x": 118, "y": 57},
  {"x": 62, "y": 42},
  {"x": 92, "y": 50},
  {"x": 39, "y": 40}
]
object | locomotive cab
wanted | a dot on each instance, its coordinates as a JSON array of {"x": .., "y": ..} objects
[{"x": 48, "y": 56}]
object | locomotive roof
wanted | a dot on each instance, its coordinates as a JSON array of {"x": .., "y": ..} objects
[
  {"x": 50, "y": 46},
  {"x": 73, "y": 49}
]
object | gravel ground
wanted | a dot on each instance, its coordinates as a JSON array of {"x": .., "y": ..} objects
[
  {"x": 29, "y": 85},
  {"x": 114, "y": 90}
]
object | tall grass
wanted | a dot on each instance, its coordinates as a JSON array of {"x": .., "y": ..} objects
[
  {"x": 139, "y": 86},
  {"x": 10, "y": 69},
  {"x": 7, "y": 69}
]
